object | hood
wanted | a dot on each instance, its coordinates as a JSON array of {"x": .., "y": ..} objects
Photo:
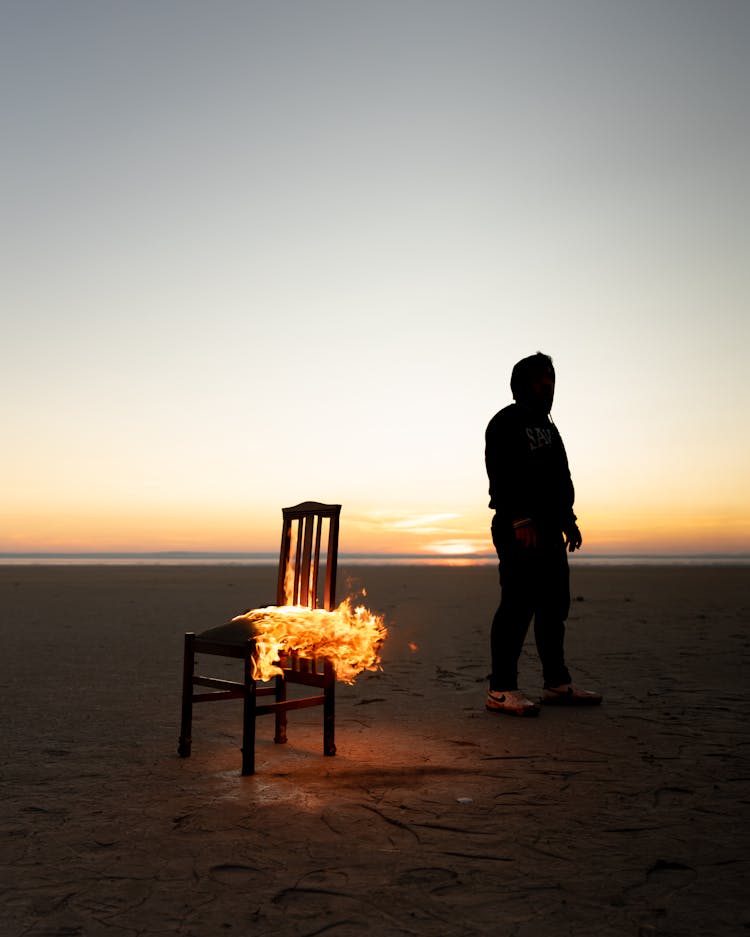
[{"x": 529, "y": 385}]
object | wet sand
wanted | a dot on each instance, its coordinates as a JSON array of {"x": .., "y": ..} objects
[{"x": 434, "y": 818}]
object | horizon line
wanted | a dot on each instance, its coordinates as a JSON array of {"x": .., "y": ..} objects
[{"x": 267, "y": 555}]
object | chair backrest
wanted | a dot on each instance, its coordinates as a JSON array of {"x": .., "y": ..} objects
[{"x": 299, "y": 567}]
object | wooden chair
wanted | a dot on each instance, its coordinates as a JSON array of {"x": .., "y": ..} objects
[{"x": 299, "y": 583}]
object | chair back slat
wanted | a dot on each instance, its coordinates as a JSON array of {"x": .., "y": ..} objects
[
  {"x": 316, "y": 557},
  {"x": 329, "y": 596},
  {"x": 307, "y": 523},
  {"x": 299, "y": 578},
  {"x": 296, "y": 572}
]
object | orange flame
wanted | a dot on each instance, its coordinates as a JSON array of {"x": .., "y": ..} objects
[
  {"x": 288, "y": 583},
  {"x": 350, "y": 637}
]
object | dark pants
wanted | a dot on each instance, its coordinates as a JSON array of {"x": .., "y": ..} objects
[{"x": 534, "y": 582}]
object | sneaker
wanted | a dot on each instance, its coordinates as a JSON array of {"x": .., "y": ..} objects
[
  {"x": 570, "y": 695},
  {"x": 512, "y": 702}
]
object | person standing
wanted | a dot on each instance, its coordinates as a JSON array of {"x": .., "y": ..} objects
[{"x": 534, "y": 526}]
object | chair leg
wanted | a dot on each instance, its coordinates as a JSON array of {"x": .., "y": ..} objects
[
  {"x": 329, "y": 709},
  {"x": 280, "y": 735},
  {"x": 185, "y": 743},
  {"x": 248, "y": 718}
]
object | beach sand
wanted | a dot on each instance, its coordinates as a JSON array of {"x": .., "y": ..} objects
[{"x": 434, "y": 818}]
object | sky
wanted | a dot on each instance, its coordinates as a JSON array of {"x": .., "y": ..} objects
[{"x": 255, "y": 253}]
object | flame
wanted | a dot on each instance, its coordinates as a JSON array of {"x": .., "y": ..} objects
[
  {"x": 350, "y": 637},
  {"x": 288, "y": 584}
]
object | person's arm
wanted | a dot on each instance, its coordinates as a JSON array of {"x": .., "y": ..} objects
[
  {"x": 505, "y": 457},
  {"x": 573, "y": 539}
]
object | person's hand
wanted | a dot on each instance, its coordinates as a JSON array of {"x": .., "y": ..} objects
[
  {"x": 573, "y": 539},
  {"x": 526, "y": 535}
]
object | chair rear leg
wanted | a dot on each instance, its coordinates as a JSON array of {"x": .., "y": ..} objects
[
  {"x": 329, "y": 709},
  {"x": 185, "y": 743},
  {"x": 280, "y": 734}
]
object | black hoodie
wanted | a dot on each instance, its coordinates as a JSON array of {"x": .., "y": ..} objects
[{"x": 528, "y": 470}]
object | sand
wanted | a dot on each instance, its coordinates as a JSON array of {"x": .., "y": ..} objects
[{"x": 434, "y": 818}]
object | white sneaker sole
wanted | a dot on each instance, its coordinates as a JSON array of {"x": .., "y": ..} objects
[
  {"x": 571, "y": 699},
  {"x": 532, "y": 710}
]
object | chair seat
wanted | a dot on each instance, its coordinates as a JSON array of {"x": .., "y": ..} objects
[
  {"x": 230, "y": 640},
  {"x": 235, "y": 633}
]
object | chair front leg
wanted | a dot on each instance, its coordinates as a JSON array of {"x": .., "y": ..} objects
[
  {"x": 280, "y": 715},
  {"x": 329, "y": 709},
  {"x": 249, "y": 713}
]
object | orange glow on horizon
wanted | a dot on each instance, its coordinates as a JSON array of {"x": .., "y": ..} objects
[
  {"x": 217, "y": 529},
  {"x": 457, "y": 547}
]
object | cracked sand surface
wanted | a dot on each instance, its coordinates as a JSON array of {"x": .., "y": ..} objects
[{"x": 435, "y": 817}]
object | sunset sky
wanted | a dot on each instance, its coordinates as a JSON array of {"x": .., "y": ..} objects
[{"x": 261, "y": 252}]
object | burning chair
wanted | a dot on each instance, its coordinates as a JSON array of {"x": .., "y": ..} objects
[{"x": 299, "y": 584}]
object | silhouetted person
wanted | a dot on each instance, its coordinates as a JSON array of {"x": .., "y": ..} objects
[{"x": 532, "y": 495}]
